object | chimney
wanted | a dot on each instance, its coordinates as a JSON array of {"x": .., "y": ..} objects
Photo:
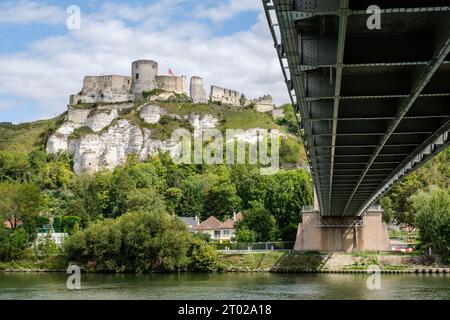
[{"x": 234, "y": 216}]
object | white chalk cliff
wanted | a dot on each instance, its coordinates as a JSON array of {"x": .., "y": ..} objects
[{"x": 113, "y": 139}]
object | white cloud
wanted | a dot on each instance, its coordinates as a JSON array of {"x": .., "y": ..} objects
[
  {"x": 53, "y": 68},
  {"x": 228, "y": 9},
  {"x": 27, "y": 12}
]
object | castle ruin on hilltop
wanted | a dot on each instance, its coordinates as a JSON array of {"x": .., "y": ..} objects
[{"x": 145, "y": 78}]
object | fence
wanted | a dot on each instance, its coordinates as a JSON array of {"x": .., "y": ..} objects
[{"x": 256, "y": 246}]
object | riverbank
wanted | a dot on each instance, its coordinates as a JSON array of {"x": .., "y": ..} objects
[
  {"x": 283, "y": 262},
  {"x": 355, "y": 262}
]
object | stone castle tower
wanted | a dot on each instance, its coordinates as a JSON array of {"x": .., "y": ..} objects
[
  {"x": 198, "y": 93},
  {"x": 143, "y": 73}
]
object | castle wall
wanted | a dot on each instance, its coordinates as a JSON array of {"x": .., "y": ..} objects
[
  {"x": 143, "y": 73},
  {"x": 197, "y": 91},
  {"x": 171, "y": 83},
  {"x": 263, "y": 104},
  {"x": 97, "y": 84},
  {"x": 227, "y": 96}
]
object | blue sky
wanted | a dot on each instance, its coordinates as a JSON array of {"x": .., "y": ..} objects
[{"x": 42, "y": 62}]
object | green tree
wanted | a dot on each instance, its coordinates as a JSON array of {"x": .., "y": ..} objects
[
  {"x": 192, "y": 201},
  {"x": 260, "y": 221},
  {"x": 433, "y": 218},
  {"x": 20, "y": 204},
  {"x": 287, "y": 193},
  {"x": 14, "y": 167},
  {"x": 388, "y": 211},
  {"x": 145, "y": 199},
  {"x": 172, "y": 196},
  {"x": 222, "y": 199},
  {"x": 400, "y": 198},
  {"x": 56, "y": 174}
]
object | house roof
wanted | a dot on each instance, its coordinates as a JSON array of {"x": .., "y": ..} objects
[
  {"x": 191, "y": 222},
  {"x": 212, "y": 223},
  {"x": 229, "y": 224},
  {"x": 209, "y": 224}
]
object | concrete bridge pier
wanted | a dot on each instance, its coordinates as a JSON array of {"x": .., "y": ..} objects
[{"x": 342, "y": 234}]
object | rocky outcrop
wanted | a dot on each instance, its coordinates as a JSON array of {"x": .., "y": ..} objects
[
  {"x": 152, "y": 113},
  {"x": 202, "y": 121},
  {"x": 58, "y": 141},
  {"x": 101, "y": 118}
]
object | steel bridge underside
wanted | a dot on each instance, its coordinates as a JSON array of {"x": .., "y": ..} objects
[{"x": 373, "y": 105}]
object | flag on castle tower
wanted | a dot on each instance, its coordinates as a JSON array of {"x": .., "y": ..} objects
[{"x": 171, "y": 73}]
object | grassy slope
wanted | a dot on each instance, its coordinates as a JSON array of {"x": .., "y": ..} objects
[{"x": 24, "y": 137}]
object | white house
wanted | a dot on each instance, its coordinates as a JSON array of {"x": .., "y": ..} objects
[{"x": 217, "y": 230}]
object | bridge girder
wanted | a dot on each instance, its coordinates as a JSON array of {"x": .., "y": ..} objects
[{"x": 372, "y": 104}]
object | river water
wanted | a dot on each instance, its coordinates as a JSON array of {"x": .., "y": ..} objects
[{"x": 223, "y": 286}]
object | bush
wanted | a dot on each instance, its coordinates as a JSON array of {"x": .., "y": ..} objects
[
  {"x": 289, "y": 233},
  {"x": 135, "y": 242},
  {"x": 13, "y": 243},
  {"x": 203, "y": 256}
]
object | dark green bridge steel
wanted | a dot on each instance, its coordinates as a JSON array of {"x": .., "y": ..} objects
[{"x": 373, "y": 104}]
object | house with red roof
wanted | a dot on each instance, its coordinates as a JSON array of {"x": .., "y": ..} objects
[{"x": 219, "y": 231}]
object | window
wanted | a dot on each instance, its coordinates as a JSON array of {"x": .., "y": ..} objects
[
  {"x": 226, "y": 232},
  {"x": 137, "y": 76},
  {"x": 217, "y": 234}
]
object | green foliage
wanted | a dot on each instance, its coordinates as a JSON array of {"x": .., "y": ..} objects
[
  {"x": 287, "y": 193},
  {"x": 26, "y": 137},
  {"x": 71, "y": 224},
  {"x": 58, "y": 224},
  {"x": 46, "y": 248},
  {"x": 222, "y": 199},
  {"x": 388, "y": 211},
  {"x": 289, "y": 232},
  {"x": 20, "y": 204},
  {"x": 12, "y": 243},
  {"x": 56, "y": 174},
  {"x": 144, "y": 198},
  {"x": 244, "y": 235},
  {"x": 433, "y": 218},
  {"x": 260, "y": 221},
  {"x": 80, "y": 132},
  {"x": 172, "y": 196},
  {"x": 291, "y": 152},
  {"x": 154, "y": 92},
  {"x": 203, "y": 256},
  {"x": 136, "y": 241},
  {"x": 192, "y": 201},
  {"x": 42, "y": 220},
  {"x": 289, "y": 120},
  {"x": 14, "y": 167}
]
